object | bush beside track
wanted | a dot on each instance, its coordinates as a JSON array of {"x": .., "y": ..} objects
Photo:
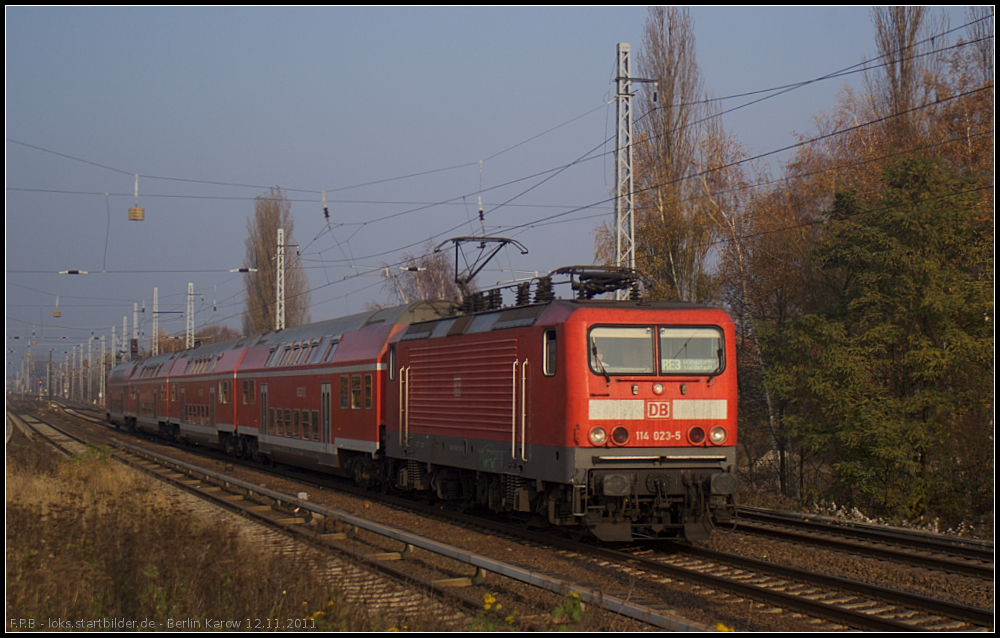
[{"x": 88, "y": 539}]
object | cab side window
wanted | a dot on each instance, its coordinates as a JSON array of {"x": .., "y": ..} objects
[{"x": 549, "y": 345}]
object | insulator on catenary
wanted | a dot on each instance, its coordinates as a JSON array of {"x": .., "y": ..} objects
[
  {"x": 543, "y": 291},
  {"x": 523, "y": 297}
]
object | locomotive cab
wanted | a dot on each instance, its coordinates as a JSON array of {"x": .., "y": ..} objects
[
  {"x": 614, "y": 416},
  {"x": 659, "y": 433}
]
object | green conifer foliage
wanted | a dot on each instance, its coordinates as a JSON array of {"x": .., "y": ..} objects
[{"x": 894, "y": 382}]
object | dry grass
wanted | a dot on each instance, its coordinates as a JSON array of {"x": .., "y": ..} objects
[{"x": 89, "y": 539}]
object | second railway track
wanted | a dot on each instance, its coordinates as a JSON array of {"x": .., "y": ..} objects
[
  {"x": 840, "y": 604},
  {"x": 928, "y": 551}
]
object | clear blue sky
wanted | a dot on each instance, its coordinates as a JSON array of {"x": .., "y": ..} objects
[{"x": 333, "y": 99}]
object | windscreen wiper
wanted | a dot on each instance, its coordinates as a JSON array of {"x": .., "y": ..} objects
[{"x": 593, "y": 351}]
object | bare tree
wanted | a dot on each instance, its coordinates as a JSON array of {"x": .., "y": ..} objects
[
  {"x": 272, "y": 211},
  {"x": 429, "y": 275},
  {"x": 674, "y": 227},
  {"x": 905, "y": 68},
  {"x": 213, "y": 333},
  {"x": 981, "y": 32},
  {"x": 216, "y": 333},
  {"x": 166, "y": 343}
]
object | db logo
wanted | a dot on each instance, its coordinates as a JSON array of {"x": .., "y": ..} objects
[{"x": 658, "y": 410}]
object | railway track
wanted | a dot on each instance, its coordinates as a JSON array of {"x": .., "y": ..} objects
[
  {"x": 831, "y": 603},
  {"x": 853, "y": 603},
  {"x": 929, "y": 551},
  {"x": 360, "y": 578},
  {"x": 313, "y": 522}
]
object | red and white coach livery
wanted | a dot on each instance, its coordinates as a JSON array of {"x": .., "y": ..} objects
[{"x": 618, "y": 417}]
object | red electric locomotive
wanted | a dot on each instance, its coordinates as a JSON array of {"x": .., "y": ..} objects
[{"x": 617, "y": 417}]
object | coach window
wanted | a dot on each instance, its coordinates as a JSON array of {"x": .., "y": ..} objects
[
  {"x": 344, "y": 392},
  {"x": 549, "y": 344},
  {"x": 284, "y": 355},
  {"x": 315, "y": 425},
  {"x": 329, "y": 353},
  {"x": 303, "y": 354},
  {"x": 317, "y": 350},
  {"x": 368, "y": 392},
  {"x": 296, "y": 432},
  {"x": 270, "y": 422},
  {"x": 392, "y": 363},
  {"x": 356, "y": 392}
]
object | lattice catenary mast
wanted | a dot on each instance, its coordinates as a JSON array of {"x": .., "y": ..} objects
[
  {"x": 624, "y": 220},
  {"x": 624, "y": 196}
]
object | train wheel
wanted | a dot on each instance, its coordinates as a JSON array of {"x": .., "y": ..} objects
[
  {"x": 252, "y": 452},
  {"x": 365, "y": 472}
]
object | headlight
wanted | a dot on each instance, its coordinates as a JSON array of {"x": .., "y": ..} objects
[
  {"x": 598, "y": 436},
  {"x": 619, "y": 435},
  {"x": 616, "y": 485},
  {"x": 724, "y": 483},
  {"x": 696, "y": 435},
  {"x": 657, "y": 388},
  {"x": 718, "y": 435}
]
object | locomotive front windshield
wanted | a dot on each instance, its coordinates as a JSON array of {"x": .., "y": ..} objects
[
  {"x": 690, "y": 350},
  {"x": 622, "y": 350},
  {"x": 632, "y": 350}
]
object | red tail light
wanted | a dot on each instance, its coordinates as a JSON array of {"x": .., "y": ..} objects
[{"x": 619, "y": 435}]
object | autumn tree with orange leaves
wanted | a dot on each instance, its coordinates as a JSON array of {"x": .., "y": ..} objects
[
  {"x": 710, "y": 228},
  {"x": 925, "y": 117}
]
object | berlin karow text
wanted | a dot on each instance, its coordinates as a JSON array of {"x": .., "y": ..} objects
[{"x": 63, "y": 624}]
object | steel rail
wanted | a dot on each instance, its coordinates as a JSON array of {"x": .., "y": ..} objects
[
  {"x": 929, "y": 541},
  {"x": 510, "y": 570},
  {"x": 966, "y": 613},
  {"x": 815, "y": 536}
]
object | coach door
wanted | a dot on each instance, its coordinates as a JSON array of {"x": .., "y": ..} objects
[
  {"x": 520, "y": 402},
  {"x": 263, "y": 427},
  {"x": 324, "y": 393},
  {"x": 328, "y": 445},
  {"x": 399, "y": 371}
]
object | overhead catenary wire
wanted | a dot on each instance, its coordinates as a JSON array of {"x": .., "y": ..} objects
[
  {"x": 769, "y": 93},
  {"x": 608, "y": 200},
  {"x": 542, "y": 220}
]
